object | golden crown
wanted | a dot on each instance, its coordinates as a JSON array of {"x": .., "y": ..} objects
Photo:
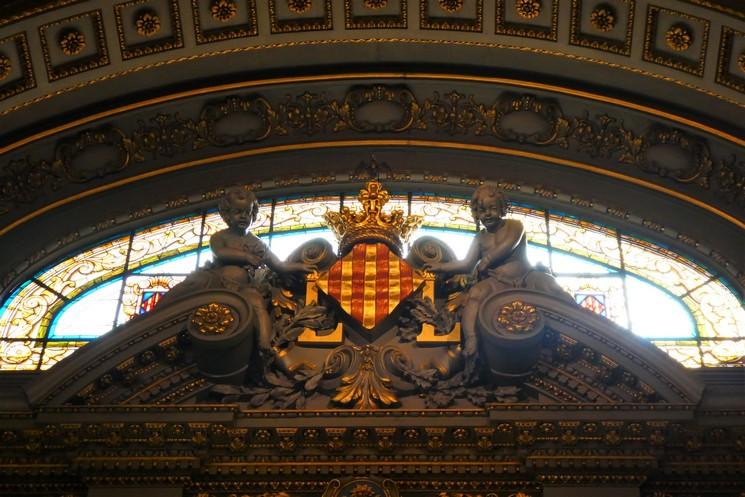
[{"x": 371, "y": 223}]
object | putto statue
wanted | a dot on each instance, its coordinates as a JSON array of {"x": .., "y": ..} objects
[
  {"x": 366, "y": 327},
  {"x": 239, "y": 253},
  {"x": 497, "y": 259}
]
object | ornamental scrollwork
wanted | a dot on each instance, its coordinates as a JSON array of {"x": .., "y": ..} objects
[{"x": 525, "y": 119}]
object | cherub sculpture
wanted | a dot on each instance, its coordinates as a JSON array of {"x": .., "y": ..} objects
[
  {"x": 497, "y": 260},
  {"x": 238, "y": 253}
]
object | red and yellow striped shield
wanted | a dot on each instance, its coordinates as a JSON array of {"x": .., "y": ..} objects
[{"x": 369, "y": 282}]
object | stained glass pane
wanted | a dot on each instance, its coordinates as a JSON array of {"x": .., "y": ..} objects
[
  {"x": 283, "y": 245},
  {"x": 21, "y": 355},
  {"x": 566, "y": 263},
  {"x": 440, "y": 212},
  {"x": 185, "y": 263},
  {"x": 460, "y": 242},
  {"x": 723, "y": 352},
  {"x": 26, "y": 313},
  {"x": 534, "y": 222},
  {"x": 608, "y": 289},
  {"x": 142, "y": 293},
  {"x": 584, "y": 239},
  {"x": 90, "y": 315},
  {"x": 54, "y": 352},
  {"x": 303, "y": 214},
  {"x": 657, "y": 314},
  {"x": 718, "y": 312},
  {"x": 686, "y": 353},
  {"x": 165, "y": 240},
  {"x": 96, "y": 264},
  {"x": 667, "y": 269}
]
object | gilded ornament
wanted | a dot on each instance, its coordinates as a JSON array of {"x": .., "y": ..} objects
[
  {"x": 223, "y": 10},
  {"x": 361, "y": 490},
  {"x": 518, "y": 317},
  {"x": 212, "y": 319},
  {"x": 147, "y": 23},
  {"x": 72, "y": 42},
  {"x": 451, "y": 6},
  {"x": 5, "y": 67},
  {"x": 376, "y": 4},
  {"x": 741, "y": 61},
  {"x": 679, "y": 37},
  {"x": 528, "y": 9},
  {"x": 299, "y": 6},
  {"x": 603, "y": 18},
  {"x": 365, "y": 387},
  {"x": 351, "y": 226}
]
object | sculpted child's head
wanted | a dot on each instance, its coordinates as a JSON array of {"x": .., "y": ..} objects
[
  {"x": 488, "y": 205},
  {"x": 238, "y": 207}
]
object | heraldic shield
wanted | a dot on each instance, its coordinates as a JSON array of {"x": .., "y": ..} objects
[
  {"x": 370, "y": 279},
  {"x": 369, "y": 283}
]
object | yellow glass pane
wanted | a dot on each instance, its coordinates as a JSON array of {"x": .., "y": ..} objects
[
  {"x": 717, "y": 311},
  {"x": 301, "y": 214},
  {"x": 672, "y": 272},
  {"x": 584, "y": 239},
  {"x": 533, "y": 221},
  {"x": 165, "y": 240},
  {"x": 723, "y": 353},
  {"x": 441, "y": 212},
  {"x": 54, "y": 352},
  {"x": 687, "y": 353},
  {"x": 96, "y": 264},
  {"x": 20, "y": 355},
  {"x": 27, "y": 313}
]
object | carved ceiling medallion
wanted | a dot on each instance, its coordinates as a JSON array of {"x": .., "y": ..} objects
[
  {"x": 451, "y": 6},
  {"x": 528, "y": 9},
  {"x": 518, "y": 317},
  {"x": 679, "y": 37},
  {"x": 299, "y": 6},
  {"x": 147, "y": 23},
  {"x": 72, "y": 42},
  {"x": 5, "y": 67},
  {"x": 223, "y": 10},
  {"x": 376, "y": 4},
  {"x": 212, "y": 319},
  {"x": 603, "y": 18}
]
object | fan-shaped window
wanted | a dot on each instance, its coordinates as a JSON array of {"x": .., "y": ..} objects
[{"x": 680, "y": 306}]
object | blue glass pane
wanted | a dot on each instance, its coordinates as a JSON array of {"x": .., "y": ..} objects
[
  {"x": 655, "y": 313},
  {"x": 538, "y": 254},
  {"x": 564, "y": 263},
  {"x": 181, "y": 264},
  {"x": 283, "y": 245},
  {"x": 90, "y": 315}
]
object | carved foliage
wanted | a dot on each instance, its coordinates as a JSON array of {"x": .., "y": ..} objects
[{"x": 520, "y": 118}]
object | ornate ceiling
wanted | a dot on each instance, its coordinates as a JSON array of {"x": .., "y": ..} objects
[{"x": 628, "y": 112}]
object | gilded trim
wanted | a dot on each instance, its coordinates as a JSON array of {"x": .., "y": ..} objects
[
  {"x": 130, "y": 51},
  {"x": 230, "y": 51},
  {"x": 335, "y": 77},
  {"x": 367, "y": 143},
  {"x": 651, "y": 54}
]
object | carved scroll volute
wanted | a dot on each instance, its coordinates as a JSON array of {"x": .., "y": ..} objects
[
  {"x": 222, "y": 340},
  {"x": 510, "y": 332},
  {"x": 672, "y": 153},
  {"x": 234, "y": 121}
]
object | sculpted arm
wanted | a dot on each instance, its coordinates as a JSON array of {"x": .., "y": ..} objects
[
  {"x": 459, "y": 267},
  {"x": 282, "y": 267},
  {"x": 230, "y": 255}
]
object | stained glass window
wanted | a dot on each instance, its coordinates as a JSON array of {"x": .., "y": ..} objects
[{"x": 686, "y": 310}]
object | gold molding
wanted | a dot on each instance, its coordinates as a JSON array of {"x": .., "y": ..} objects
[
  {"x": 651, "y": 54},
  {"x": 355, "y": 41},
  {"x": 599, "y": 40},
  {"x": 379, "y": 143},
  {"x": 152, "y": 46},
  {"x": 354, "y": 76}
]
